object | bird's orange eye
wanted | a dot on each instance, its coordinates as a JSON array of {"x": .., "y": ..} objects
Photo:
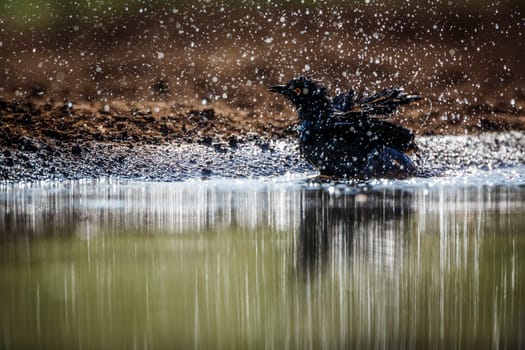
[{"x": 297, "y": 90}]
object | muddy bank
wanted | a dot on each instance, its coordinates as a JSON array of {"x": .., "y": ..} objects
[
  {"x": 44, "y": 141},
  {"x": 161, "y": 122}
]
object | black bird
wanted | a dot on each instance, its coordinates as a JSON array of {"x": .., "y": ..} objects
[{"x": 343, "y": 136}]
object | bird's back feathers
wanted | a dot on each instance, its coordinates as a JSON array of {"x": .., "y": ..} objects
[{"x": 362, "y": 132}]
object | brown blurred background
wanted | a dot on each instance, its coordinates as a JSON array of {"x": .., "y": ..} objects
[{"x": 465, "y": 58}]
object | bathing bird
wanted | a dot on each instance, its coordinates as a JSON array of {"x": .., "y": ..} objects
[{"x": 347, "y": 136}]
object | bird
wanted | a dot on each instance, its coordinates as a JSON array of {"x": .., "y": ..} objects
[{"x": 347, "y": 136}]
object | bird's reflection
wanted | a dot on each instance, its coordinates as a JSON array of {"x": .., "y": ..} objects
[{"x": 370, "y": 224}]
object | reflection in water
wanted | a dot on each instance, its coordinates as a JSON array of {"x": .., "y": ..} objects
[
  {"x": 83, "y": 209},
  {"x": 255, "y": 265},
  {"x": 365, "y": 223}
]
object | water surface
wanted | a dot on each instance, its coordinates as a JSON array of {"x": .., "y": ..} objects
[{"x": 436, "y": 263}]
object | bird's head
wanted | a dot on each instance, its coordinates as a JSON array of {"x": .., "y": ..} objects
[{"x": 302, "y": 91}]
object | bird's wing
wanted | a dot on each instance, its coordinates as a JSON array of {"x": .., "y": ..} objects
[
  {"x": 351, "y": 104},
  {"x": 344, "y": 102},
  {"x": 386, "y": 101}
]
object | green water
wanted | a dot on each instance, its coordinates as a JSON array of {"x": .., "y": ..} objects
[{"x": 110, "y": 265}]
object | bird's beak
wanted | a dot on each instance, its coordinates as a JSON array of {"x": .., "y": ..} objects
[{"x": 277, "y": 88}]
